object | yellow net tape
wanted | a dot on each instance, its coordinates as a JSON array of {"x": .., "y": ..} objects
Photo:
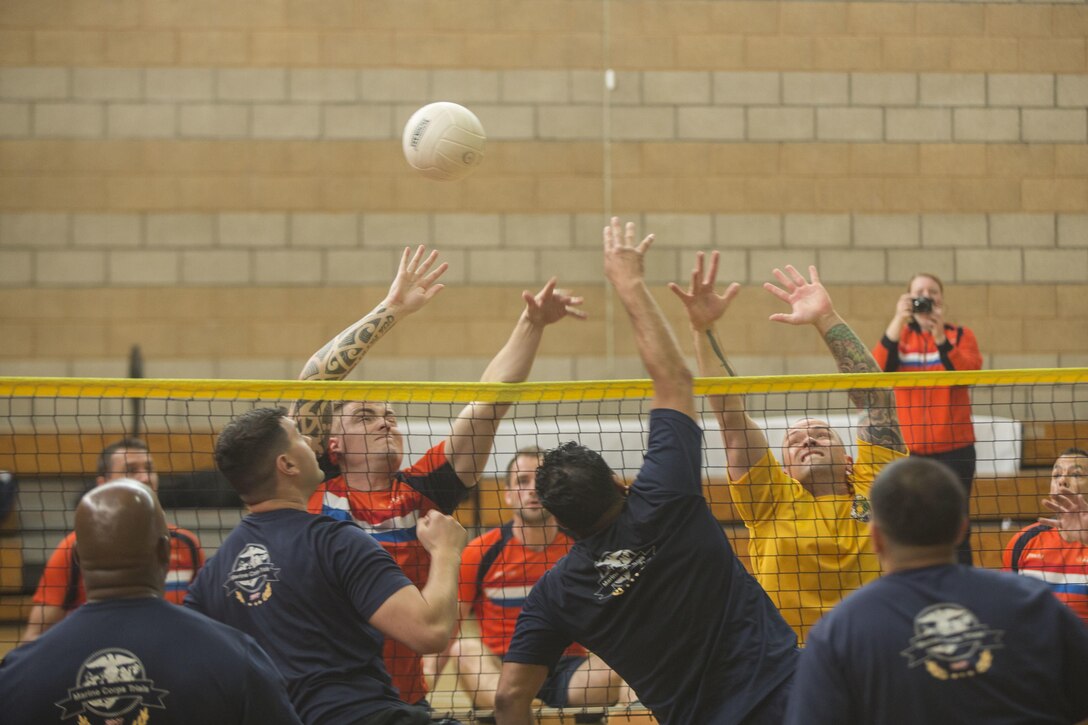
[{"x": 548, "y": 392}]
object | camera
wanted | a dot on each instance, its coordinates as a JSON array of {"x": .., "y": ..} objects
[{"x": 922, "y": 304}]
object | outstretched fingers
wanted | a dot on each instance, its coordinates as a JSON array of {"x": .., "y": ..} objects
[
  {"x": 572, "y": 305},
  {"x": 548, "y": 290},
  {"x": 431, "y": 278},
  {"x": 413, "y": 262},
  {"x": 777, "y": 291},
  {"x": 613, "y": 233},
  {"x": 730, "y": 292},
  {"x": 712, "y": 271},
  {"x": 424, "y": 265}
]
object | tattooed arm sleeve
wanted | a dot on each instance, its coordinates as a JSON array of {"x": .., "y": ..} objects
[
  {"x": 879, "y": 422},
  {"x": 335, "y": 360}
]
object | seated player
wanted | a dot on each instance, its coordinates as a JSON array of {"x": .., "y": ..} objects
[
  {"x": 320, "y": 595},
  {"x": 651, "y": 584},
  {"x": 808, "y": 516},
  {"x": 61, "y": 587},
  {"x": 497, "y": 571},
  {"x": 361, "y": 437},
  {"x": 1055, "y": 550},
  {"x": 159, "y": 663},
  {"x": 934, "y": 641}
]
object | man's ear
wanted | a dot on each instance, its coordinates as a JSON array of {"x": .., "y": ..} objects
[
  {"x": 162, "y": 550},
  {"x": 286, "y": 465},
  {"x": 962, "y": 534},
  {"x": 332, "y": 449},
  {"x": 877, "y": 536},
  {"x": 849, "y": 465}
]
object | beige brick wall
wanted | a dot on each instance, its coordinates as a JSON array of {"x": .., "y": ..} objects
[{"x": 223, "y": 183}]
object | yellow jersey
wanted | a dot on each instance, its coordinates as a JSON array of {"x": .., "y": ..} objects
[{"x": 809, "y": 551}]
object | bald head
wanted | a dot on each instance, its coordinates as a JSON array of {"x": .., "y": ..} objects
[{"x": 122, "y": 541}]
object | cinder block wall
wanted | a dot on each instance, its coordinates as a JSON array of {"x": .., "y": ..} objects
[{"x": 222, "y": 184}]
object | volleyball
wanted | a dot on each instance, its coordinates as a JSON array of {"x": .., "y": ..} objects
[{"x": 444, "y": 141}]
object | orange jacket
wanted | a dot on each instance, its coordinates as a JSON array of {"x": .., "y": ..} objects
[{"x": 933, "y": 420}]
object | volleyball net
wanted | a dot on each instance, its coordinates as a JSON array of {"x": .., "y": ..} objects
[{"x": 53, "y": 430}]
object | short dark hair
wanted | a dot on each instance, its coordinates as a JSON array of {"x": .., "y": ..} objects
[
  {"x": 1074, "y": 451},
  {"x": 105, "y": 458},
  {"x": 576, "y": 485},
  {"x": 919, "y": 502},
  {"x": 246, "y": 449},
  {"x": 534, "y": 451}
]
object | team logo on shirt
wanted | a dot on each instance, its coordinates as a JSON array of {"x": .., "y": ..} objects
[
  {"x": 860, "y": 509},
  {"x": 952, "y": 643},
  {"x": 112, "y": 684},
  {"x": 617, "y": 571},
  {"x": 250, "y": 579}
]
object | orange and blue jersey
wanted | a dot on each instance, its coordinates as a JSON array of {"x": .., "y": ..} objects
[
  {"x": 497, "y": 573},
  {"x": 390, "y": 516},
  {"x": 1039, "y": 552},
  {"x": 932, "y": 419},
  {"x": 61, "y": 584}
]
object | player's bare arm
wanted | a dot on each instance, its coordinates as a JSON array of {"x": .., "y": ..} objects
[
  {"x": 415, "y": 284},
  {"x": 745, "y": 442},
  {"x": 473, "y": 432},
  {"x": 811, "y": 304},
  {"x": 624, "y": 260},
  {"x": 425, "y": 619},
  {"x": 879, "y": 423},
  {"x": 518, "y": 685}
]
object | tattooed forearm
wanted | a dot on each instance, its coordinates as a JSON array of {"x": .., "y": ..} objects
[
  {"x": 717, "y": 350},
  {"x": 879, "y": 423},
  {"x": 334, "y": 361},
  {"x": 341, "y": 354},
  {"x": 850, "y": 353},
  {"x": 313, "y": 418},
  {"x": 880, "y": 426}
]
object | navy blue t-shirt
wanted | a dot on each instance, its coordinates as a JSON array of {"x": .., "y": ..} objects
[
  {"x": 305, "y": 586},
  {"x": 945, "y": 644},
  {"x": 662, "y": 598},
  {"x": 120, "y": 659}
]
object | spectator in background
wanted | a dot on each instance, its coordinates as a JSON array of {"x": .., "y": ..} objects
[
  {"x": 808, "y": 517},
  {"x": 933, "y": 641},
  {"x": 936, "y": 421},
  {"x": 1055, "y": 550},
  {"x": 159, "y": 663},
  {"x": 320, "y": 595},
  {"x": 61, "y": 587},
  {"x": 497, "y": 571},
  {"x": 362, "y": 440}
]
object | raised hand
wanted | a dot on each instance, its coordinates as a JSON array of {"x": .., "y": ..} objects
[
  {"x": 703, "y": 305},
  {"x": 551, "y": 305},
  {"x": 1071, "y": 516},
  {"x": 809, "y": 301},
  {"x": 415, "y": 284},
  {"x": 904, "y": 310},
  {"x": 623, "y": 257}
]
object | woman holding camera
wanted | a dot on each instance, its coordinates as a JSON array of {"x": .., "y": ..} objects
[{"x": 936, "y": 421}]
